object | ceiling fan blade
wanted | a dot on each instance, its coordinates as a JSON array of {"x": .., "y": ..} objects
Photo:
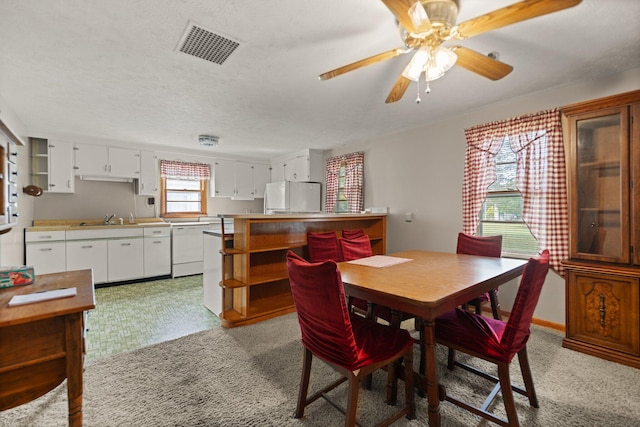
[
  {"x": 510, "y": 15},
  {"x": 362, "y": 63},
  {"x": 481, "y": 64},
  {"x": 400, "y": 8},
  {"x": 398, "y": 89}
]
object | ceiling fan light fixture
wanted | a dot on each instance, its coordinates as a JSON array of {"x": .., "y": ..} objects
[
  {"x": 440, "y": 61},
  {"x": 413, "y": 70},
  {"x": 441, "y": 12}
]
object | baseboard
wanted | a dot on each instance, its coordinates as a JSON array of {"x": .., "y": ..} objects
[{"x": 539, "y": 322}]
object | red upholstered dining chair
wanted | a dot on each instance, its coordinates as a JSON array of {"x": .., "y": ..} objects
[
  {"x": 323, "y": 246},
  {"x": 350, "y": 234},
  {"x": 350, "y": 344},
  {"x": 490, "y": 246},
  {"x": 497, "y": 341},
  {"x": 356, "y": 247}
]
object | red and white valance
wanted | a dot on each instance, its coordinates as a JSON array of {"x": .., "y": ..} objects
[{"x": 184, "y": 170}]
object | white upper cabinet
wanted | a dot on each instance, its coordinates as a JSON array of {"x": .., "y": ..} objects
[
  {"x": 244, "y": 187},
  {"x": 107, "y": 162},
  {"x": 52, "y": 165},
  {"x": 147, "y": 184},
  {"x": 261, "y": 176},
  {"x": 223, "y": 184},
  {"x": 305, "y": 166}
]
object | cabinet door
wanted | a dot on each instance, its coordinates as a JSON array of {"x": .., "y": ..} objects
[
  {"x": 243, "y": 181},
  {"x": 157, "y": 256},
  {"x": 61, "y": 177},
  {"x": 91, "y": 160},
  {"x": 604, "y": 310},
  {"x": 277, "y": 171},
  {"x": 46, "y": 257},
  {"x": 83, "y": 254},
  {"x": 600, "y": 193},
  {"x": 125, "y": 259},
  {"x": 124, "y": 162},
  {"x": 297, "y": 169},
  {"x": 223, "y": 179},
  {"x": 148, "y": 181},
  {"x": 261, "y": 176}
]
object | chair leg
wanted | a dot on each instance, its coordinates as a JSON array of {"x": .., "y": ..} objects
[
  {"x": 495, "y": 304},
  {"x": 477, "y": 307},
  {"x": 523, "y": 359},
  {"x": 352, "y": 403},
  {"x": 371, "y": 315},
  {"x": 451, "y": 359},
  {"x": 408, "y": 385},
  {"x": 304, "y": 383},
  {"x": 507, "y": 394}
]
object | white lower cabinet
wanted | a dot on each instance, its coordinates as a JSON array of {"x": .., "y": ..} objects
[
  {"x": 125, "y": 259},
  {"x": 83, "y": 254},
  {"x": 45, "y": 251},
  {"x": 46, "y": 257},
  {"x": 157, "y": 251}
]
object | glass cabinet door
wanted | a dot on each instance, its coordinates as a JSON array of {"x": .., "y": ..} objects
[{"x": 601, "y": 193}]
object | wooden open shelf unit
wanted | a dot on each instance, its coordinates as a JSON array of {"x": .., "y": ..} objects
[{"x": 255, "y": 282}]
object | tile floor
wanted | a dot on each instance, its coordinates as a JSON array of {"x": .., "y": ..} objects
[{"x": 128, "y": 317}]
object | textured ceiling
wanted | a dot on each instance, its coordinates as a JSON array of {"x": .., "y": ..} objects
[{"x": 111, "y": 70}]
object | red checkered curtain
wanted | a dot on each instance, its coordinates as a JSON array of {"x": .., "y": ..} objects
[
  {"x": 184, "y": 170},
  {"x": 354, "y": 168},
  {"x": 540, "y": 176}
]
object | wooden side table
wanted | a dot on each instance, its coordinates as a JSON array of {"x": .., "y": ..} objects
[{"x": 42, "y": 343}]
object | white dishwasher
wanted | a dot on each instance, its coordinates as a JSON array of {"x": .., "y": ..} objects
[{"x": 187, "y": 248}]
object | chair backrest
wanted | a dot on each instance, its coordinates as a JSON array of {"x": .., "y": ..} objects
[
  {"x": 358, "y": 247},
  {"x": 479, "y": 245},
  {"x": 323, "y": 246},
  {"x": 517, "y": 331},
  {"x": 319, "y": 297},
  {"x": 350, "y": 234}
]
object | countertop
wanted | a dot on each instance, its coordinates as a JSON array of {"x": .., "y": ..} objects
[
  {"x": 82, "y": 224},
  {"x": 300, "y": 216}
]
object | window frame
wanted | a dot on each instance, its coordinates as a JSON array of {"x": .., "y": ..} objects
[{"x": 203, "y": 200}]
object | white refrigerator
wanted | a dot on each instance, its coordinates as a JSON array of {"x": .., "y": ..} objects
[{"x": 292, "y": 197}]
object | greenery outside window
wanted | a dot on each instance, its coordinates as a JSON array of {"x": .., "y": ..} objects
[
  {"x": 342, "y": 204},
  {"x": 501, "y": 212}
]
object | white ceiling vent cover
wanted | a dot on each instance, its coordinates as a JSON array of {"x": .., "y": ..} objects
[{"x": 204, "y": 44}]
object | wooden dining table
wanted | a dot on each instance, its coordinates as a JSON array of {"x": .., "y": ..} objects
[{"x": 427, "y": 285}]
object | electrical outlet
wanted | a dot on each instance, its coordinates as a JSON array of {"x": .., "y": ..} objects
[{"x": 151, "y": 201}]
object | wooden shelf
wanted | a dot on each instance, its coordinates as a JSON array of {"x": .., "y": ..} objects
[{"x": 256, "y": 282}]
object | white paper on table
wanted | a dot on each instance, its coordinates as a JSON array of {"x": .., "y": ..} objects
[
  {"x": 42, "y": 296},
  {"x": 379, "y": 261}
]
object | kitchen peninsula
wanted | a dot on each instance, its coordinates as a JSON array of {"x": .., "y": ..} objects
[{"x": 254, "y": 284}]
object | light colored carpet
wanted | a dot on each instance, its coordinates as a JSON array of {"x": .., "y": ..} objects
[{"x": 249, "y": 376}]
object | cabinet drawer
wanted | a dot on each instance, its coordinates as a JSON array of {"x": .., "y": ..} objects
[
  {"x": 104, "y": 233},
  {"x": 44, "y": 236},
  {"x": 604, "y": 311},
  {"x": 156, "y": 231}
]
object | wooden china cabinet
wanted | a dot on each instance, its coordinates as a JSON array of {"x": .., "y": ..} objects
[{"x": 602, "y": 140}]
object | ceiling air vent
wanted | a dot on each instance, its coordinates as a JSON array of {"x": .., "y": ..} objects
[{"x": 204, "y": 44}]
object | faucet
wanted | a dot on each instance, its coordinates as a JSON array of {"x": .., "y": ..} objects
[{"x": 108, "y": 218}]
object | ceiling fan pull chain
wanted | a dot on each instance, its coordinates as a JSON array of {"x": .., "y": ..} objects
[
  {"x": 428, "y": 89},
  {"x": 418, "y": 95}
]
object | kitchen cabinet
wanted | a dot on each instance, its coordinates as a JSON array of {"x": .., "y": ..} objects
[
  {"x": 83, "y": 254},
  {"x": 52, "y": 165},
  {"x": 602, "y": 140},
  {"x": 126, "y": 259},
  {"x": 234, "y": 179},
  {"x": 45, "y": 251},
  {"x": 254, "y": 278},
  {"x": 101, "y": 161},
  {"x": 261, "y": 176},
  {"x": 305, "y": 166},
  {"x": 157, "y": 251},
  {"x": 147, "y": 183}
]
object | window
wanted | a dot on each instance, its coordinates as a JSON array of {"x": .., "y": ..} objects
[
  {"x": 501, "y": 212},
  {"x": 514, "y": 185},
  {"x": 184, "y": 197},
  {"x": 344, "y": 183},
  {"x": 183, "y": 188},
  {"x": 342, "y": 204}
]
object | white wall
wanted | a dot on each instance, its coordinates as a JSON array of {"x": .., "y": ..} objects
[{"x": 421, "y": 171}]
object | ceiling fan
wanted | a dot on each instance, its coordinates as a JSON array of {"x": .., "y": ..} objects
[{"x": 425, "y": 25}]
